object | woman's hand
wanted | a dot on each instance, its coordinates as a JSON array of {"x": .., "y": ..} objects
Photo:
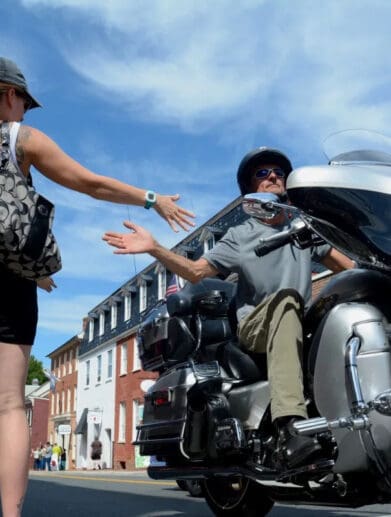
[
  {"x": 138, "y": 241},
  {"x": 46, "y": 283},
  {"x": 175, "y": 215}
]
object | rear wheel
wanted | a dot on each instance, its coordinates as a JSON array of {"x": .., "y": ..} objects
[{"x": 236, "y": 497}]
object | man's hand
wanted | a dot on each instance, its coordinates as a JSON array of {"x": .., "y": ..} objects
[
  {"x": 138, "y": 241},
  {"x": 46, "y": 283},
  {"x": 175, "y": 215}
]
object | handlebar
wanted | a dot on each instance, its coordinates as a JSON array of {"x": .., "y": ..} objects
[
  {"x": 267, "y": 246},
  {"x": 280, "y": 239}
]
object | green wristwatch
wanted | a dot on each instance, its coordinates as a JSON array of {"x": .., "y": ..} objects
[{"x": 150, "y": 199}]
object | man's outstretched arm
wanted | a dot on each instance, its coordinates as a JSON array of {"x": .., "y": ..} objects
[{"x": 139, "y": 240}]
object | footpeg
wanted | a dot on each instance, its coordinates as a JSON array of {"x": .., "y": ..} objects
[{"x": 229, "y": 435}]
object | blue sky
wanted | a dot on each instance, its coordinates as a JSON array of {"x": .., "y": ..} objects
[{"x": 169, "y": 94}]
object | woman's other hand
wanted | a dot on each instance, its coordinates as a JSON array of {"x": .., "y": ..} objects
[{"x": 46, "y": 283}]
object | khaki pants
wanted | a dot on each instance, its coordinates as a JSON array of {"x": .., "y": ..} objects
[{"x": 275, "y": 327}]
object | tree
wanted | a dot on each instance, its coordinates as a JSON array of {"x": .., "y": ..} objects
[{"x": 35, "y": 371}]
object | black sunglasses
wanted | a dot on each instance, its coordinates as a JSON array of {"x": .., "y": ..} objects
[
  {"x": 27, "y": 102},
  {"x": 262, "y": 174}
]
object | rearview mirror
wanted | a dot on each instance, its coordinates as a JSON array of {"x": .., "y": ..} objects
[{"x": 262, "y": 205}]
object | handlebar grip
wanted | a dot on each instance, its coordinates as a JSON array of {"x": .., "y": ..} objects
[{"x": 266, "y": 247}]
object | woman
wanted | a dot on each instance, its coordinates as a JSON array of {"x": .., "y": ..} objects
[{"x": 18, "y": 308}]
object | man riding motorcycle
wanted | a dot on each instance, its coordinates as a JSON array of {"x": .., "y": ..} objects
[{"x": 271, "y": 295}]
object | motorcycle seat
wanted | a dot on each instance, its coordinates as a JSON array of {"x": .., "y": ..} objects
[{"x": 239, "y": 365}]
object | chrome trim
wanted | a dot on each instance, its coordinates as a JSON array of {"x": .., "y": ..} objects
[{"x": 358, "y": 405}]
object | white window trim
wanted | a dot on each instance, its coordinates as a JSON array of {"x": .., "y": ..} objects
[
  {"x": 124, "y": 359},
  {"x": 122, "y": 423},
  {"x": 91, "y": 330},
  {"x": 162, "y": 284},
  {"x": 109, "y": 364},
  {"x": 99, "y": 369},
  {"x": 101, "y": 323},
  {"x": 136, "y": 357},
  {"x": 88, "y": 374},
  {"x": 143, "y": 295},
  {"x": 136, "y": 418},
  {"x": 113, "y": 316},
  {"x": 127, "y": 307}
]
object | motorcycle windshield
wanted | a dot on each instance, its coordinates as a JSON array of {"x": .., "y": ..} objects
[
  {"x": 358, "y": 145},
  {"x": 347, "y": 202}
]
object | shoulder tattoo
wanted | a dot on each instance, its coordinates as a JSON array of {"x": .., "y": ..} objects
[{"x": 23, "y": 135}]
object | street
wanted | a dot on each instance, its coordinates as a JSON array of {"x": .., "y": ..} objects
[{"x": 122, "y": 493}]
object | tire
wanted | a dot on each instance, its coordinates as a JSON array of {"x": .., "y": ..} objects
[
  {"x": 236, "y": 497},
  {"x": 181, "y": 484},
  {"x": 194, "y": 487}
]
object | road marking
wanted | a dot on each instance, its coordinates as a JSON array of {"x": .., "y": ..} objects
[{"x": 107, "y": 480}]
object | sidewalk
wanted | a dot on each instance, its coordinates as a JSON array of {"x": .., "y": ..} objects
[{"x": 142, "y": 473}]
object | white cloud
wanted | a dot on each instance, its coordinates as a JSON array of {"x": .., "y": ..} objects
[
  {"x": 65, "y": 315},
  {"x": 305, "y": 67}
]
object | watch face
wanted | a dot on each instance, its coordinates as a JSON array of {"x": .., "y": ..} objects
[{"x": 150, "y": 196}]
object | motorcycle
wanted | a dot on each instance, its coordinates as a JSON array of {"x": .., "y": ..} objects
[{"x": 208, "y": 414}]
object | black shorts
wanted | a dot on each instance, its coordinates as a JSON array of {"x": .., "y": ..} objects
[{"x": 18, "y": 309}]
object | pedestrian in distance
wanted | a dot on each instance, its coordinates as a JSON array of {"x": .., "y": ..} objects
[
  {"x": 48, "y": 457},
  {"x": 28, "y": 147},
  {"x": 63, "y": 459},
  {"x": 36, "y": 453},
  {"x": 96, "y": 454}
]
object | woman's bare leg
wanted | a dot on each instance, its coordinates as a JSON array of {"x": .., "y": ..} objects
[{"x": 14, "y": 431}]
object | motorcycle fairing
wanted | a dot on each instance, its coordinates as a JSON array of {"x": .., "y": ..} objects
[
  {"x": 333, "y": 393},
  {"x": 347, "y": 205}
]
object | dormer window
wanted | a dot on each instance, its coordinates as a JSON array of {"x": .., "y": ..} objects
[{"x": 161, "y": 272}]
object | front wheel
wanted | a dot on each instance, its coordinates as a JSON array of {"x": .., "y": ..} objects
[{"x": 236, "y": 497}]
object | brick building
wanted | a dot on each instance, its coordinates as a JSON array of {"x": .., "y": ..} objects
[
  {"x": 131, "y": 383},
  {"x": 37, "y": 412},
  {"x": 62, "y": 402}
]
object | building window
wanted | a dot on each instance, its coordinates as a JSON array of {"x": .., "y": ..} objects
[
  {"x": 75, "y": 398},
  {"x": 99, "y": 369},
  {"x": 53, "y": 407},
  {"x": 113, "y": 314},
  {"x": 136, "y": 357},
  {"x": 101, "y": 323},
  {"x": 87, "y": 373},
  {"x": 109, "y": 364},
  {"x": 162, "y": 284},
  {"x": 143, "y": 295},
  {"x": 62, "y": 409},
  {"x": 209, "y": 243},
  {"x": 124, "y": 359},
  {"x": 127, "y": 307},
  {"x": 138, "y": 410},
  {"x": 122, "y": 422},
  {"x": 68, "y": 400},
  {"x": 91, "y": 330},
  {"x": 70, "y": 361}
]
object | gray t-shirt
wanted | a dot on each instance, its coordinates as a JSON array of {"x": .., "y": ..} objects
[{"x": 259, "y": 277}]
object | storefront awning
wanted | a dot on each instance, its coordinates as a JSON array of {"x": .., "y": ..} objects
[{"x": 81, "y": 427}]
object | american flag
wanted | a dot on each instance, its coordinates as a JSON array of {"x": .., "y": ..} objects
[{"x": 173, "y": 286}]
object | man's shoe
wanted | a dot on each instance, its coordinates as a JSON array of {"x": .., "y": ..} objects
[{"x": 294, "y": 450}]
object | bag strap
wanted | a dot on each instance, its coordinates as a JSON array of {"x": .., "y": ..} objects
[
  {"x": 5, "y": 136},
  {"x": 5, "y": 144}
]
